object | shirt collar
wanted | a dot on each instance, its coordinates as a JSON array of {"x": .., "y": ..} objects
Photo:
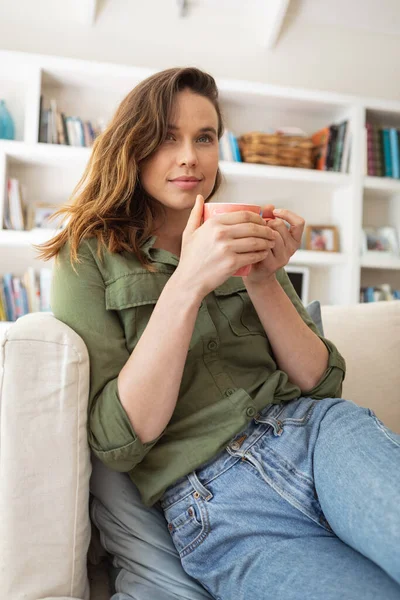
[{"x": 158, "y": 254}]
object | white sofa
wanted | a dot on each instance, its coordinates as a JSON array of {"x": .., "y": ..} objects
[{"x": 46, "y": 536}]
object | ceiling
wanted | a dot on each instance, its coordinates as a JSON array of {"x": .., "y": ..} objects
[
  {"x": 376, "y": 16},
  {"x": 271, "y": 16}
]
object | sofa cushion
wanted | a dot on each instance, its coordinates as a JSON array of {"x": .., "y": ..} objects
[
  {"x": 368, "y": 337},
  {"x": 44, "y": 461}
]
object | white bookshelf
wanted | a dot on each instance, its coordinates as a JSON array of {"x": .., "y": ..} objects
[{"x": 93, "y": 90}]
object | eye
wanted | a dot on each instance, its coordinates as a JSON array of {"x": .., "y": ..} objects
[
  {"x": 168, "y": 135},
  {"x": 205, "y": 136}
]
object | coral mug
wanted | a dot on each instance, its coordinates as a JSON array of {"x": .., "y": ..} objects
[{"x": 218, "y": 208}]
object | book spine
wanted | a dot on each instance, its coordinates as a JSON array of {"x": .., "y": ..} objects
[
  {"x": 64, "y": 124},
  {"x": 226, "y": 147},
  {"x": 339, "y": 146},
  {"x": 235, "y": 148},
  {"x": 8, "y": 292},
  {"x": 386, "y": 153},
  {"x": 371, "y": 154},
  {"x": 3, "y": 304},
  {"x": 394, "y": 150},
  {"x": 18, "y": 297},
  {"x": 331, "y": 148}
]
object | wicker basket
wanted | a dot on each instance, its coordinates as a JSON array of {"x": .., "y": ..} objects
[{"x": 277, "y": 149}]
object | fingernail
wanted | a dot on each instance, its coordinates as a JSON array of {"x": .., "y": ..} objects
[{"x": 277, "y": 210}]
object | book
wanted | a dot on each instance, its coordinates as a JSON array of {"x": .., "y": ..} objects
[
  {"x": 374, "y": 151},
  {"x": 235, "y": 147},
  {"x": 227, "y": 153},
  {"x": 345, "y": 162},
  {"x": 394, "y": 152},
  {"x": 9, "y": 296},
  {"x": 339, "y": 146},
  {"x": 320, "y": 140},
  {"x": 387, "y": 155},
  {"x": 16, "y": 211},
  {"x": 331, "y": 148}
]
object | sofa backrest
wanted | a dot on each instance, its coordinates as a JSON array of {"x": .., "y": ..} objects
[{"x": 368, "y": 337}]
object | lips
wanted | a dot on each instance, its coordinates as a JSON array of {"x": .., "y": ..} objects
[
  {"x": 185, "y": 179},
  {"x": 185, "y": 184}
]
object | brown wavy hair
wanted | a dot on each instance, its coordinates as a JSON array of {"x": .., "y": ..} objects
[{"x": 109, "y": 201}]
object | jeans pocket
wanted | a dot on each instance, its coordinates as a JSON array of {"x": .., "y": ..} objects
[{"x": 188, "y": 523}]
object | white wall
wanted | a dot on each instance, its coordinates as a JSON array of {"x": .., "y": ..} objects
[{"x": 217, "y": 35}]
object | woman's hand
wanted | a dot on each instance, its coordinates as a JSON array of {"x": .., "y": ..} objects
[{"x": 286, "y": 244}]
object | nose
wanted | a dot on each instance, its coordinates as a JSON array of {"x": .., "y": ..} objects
[{"x": 187, "y": 155}]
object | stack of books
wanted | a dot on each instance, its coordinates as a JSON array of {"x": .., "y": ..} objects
[
  {"x": 22, "y": 295},
  {"x": 57, "y": 128},
  {"x": 332, "y": 146},
  {"x": 382, "y": 154},
  {"x": 378, "y": 293}
]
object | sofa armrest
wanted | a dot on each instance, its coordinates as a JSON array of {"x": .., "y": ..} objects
[{"x": 45, "y": 462}]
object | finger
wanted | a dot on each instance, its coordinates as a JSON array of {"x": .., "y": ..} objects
[
  {"x": 281, "y": 228},
  {"x": 196, "y": 214},
  {"x": 296, "y": 222},
  {"x": 246, "y": 230},
  {"x": 278, "y": 250},
  {"x": 239, "y": 216},
  {"x": 251, "y": 245},
  {"x": 267, "y": 211}
]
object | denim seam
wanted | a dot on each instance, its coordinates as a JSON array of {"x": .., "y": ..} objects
[
  {"x": 204, "y": 533},
  {"x": 290, "y": 467},
  {"x": 287, "y": 496},
  {"x": 383, "y": 428}
]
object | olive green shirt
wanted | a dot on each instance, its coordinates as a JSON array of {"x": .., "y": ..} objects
[{"x": 230, "y": 373}]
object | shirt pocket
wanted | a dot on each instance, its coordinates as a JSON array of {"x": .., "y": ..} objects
[
  {"x": 235, "y": 305},
  {"x": 134, "y": 296}
]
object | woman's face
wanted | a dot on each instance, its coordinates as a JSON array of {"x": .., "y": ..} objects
[{"x": 190, "y": 149}]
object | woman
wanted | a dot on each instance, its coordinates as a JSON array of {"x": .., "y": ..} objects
[{"x": 214, "y": 397}]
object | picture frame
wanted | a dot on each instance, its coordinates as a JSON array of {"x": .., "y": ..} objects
[
  {"x": 300, "y": 279},
  {"x": 380, "y": 241},
  {"x": 322, "y": 238},
  {"x": 40, "y": 213}
]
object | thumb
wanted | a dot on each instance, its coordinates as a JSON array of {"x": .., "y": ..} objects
[{"x": 196, "y": 215}]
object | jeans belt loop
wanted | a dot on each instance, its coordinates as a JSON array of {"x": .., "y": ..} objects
[{"x": 199, "y": 488}]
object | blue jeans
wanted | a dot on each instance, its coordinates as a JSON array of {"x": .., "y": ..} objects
[{"x": 302, "y": 505}]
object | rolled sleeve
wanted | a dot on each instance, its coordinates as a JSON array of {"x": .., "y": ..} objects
[
  {"x": 330, "y": 384},
  {"x": 111, "y": 435}
]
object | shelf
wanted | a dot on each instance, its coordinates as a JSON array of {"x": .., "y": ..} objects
[
  {"x": 58, "y": 155},
  {"x": 10, "y": 238},
  {"x": 251, "y": 171},
  {"x": 387, "y": 185},
  {"x": 45, "y": 154},
  {"x": 318, "y": 259},
  {"x": 380, "y": 262},
  {"x": 38, "y": 236}
]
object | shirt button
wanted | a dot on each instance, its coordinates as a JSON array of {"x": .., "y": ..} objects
[
  {"x": 229, "y": 392},
  {"x": 212, "y": 345},
  {"x": 250, "y": 412}
]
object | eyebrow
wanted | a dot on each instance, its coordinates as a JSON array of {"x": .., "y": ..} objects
[{"x": 201, "y": 130}]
